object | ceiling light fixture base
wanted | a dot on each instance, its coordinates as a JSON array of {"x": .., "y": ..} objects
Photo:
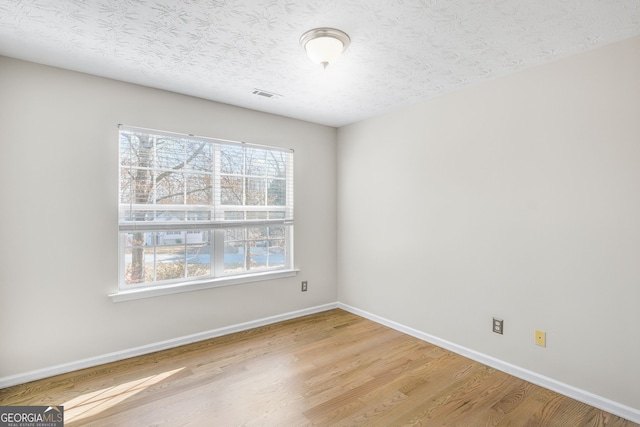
[{"x": 324, "y": 45}]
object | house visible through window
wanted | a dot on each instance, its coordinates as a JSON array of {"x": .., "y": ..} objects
[{"x": 201, "y": 209}]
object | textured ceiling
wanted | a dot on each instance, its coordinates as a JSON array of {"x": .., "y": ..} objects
[{"x": 402, "y": 51}]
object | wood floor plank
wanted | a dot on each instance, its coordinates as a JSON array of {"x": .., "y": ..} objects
[{"x": 328, "y": 369}]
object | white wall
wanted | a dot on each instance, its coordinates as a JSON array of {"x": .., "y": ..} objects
[
  {"x": 518, "y": 198},
  {"x": 58, "y": 217}
]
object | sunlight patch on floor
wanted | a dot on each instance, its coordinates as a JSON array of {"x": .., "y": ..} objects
[{"x": 95, "y": 402}]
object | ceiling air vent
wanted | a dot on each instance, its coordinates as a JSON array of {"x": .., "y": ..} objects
[{"x": 264, "y": 93}]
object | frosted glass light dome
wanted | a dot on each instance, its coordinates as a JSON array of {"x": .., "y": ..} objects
[{"x": 324, "y": 45}]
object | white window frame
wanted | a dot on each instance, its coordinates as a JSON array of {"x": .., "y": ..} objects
[{"x": 216, "y": 225}]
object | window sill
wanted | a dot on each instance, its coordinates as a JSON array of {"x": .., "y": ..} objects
[{"x": 198, "y": 285}]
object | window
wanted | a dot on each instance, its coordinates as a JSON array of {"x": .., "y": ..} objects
[{"x": 196, "y": 209}]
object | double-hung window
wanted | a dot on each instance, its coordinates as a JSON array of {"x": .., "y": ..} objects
[{"x": 198, "y": 210}]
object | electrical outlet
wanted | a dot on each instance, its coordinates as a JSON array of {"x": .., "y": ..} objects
[
  {"x": 498, "y": 326},
  {"x": 303, "y": 288},
  {"x": 541, "y": 338}
]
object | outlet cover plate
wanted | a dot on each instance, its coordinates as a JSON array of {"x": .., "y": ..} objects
[{"x": 498, "y": 326}]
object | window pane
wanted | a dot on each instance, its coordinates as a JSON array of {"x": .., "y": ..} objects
[
  {"x": 199, "y": 215},
  {"x": 231, "y": 159},
  {"x": 276, "y": 192},
  {"x": 233, "y": 215},
  {"x": 258, "y": 255},
  {"x": 170, "y": 153},
  {"x": 170, "y": 268},
  {"x": 199, "y": 156},
  {"x": 170, "y": 255},
  {"x": 126, "y": 186},
  {"x": 276, "y": 253},
  {"x": 199, "y": 189},
  {"x": 276, "y": 164},
  {"x": 266, "y": 249},
  {"x": 235, "y": 234},
  {"x": 276, "y": 232},
  {"x": 166, "y": 255},
  {"x": 198, "y": 253},
  {"x": 159, "y": 215},
  {"x": 256, "y": 215},
  {"x": 231, "y": 191},
  {"x": 126, "y": 150},
  {"x": 234, "y": 250},
  {"x": 256, "y": 162},
  {"x": 257, "y": 233},
  {"x": 255, "y": 191},
  {"x": 139, "y": 259},
  {"x": 169, "y": 188},
  {"x": 138, "y": 184},
  {"x": 136, "y": 270},
  {"x": 136, "y": 149}
]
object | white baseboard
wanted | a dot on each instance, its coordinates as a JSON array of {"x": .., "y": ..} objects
[
  {"x": 163, "y": 345},
  {"x": 594, "y": 400},
  {"x": 589, "y": 398}
]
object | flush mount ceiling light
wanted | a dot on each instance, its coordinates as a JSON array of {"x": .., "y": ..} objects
[{"x": 324, "y": 45}]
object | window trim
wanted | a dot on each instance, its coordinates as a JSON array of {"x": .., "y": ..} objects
[
  {"x": 215, "y": 226},
  {"x": 196, "y": 285}
]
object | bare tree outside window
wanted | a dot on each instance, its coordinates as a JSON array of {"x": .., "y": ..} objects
[
  {"x": 164, "y": 176},
  {"x": 176, "y": 191}
]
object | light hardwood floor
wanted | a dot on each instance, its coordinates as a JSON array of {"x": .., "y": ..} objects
[{"x": 331, "y": 368}]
